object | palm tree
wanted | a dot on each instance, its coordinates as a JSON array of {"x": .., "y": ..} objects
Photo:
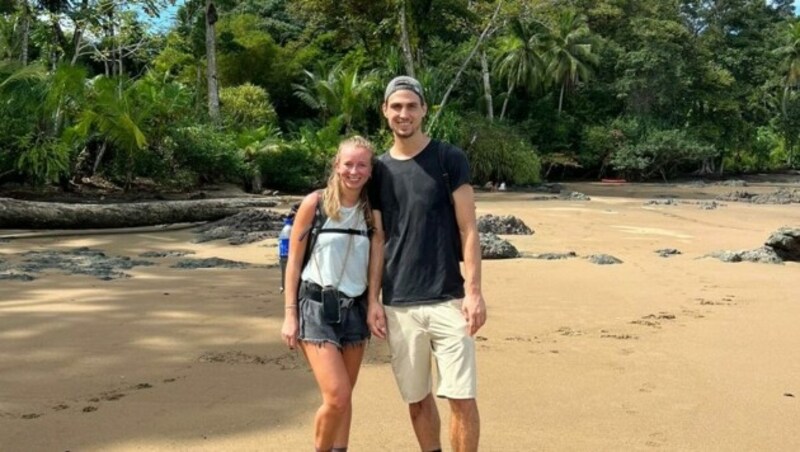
[
  {"x": 570, "y": 55},
  {"x": 211, "y": 58},
  {"x": 115, "y": 118},
  {"x": 790, "y": 63},
  {"x": 518, "y": 58},
  {"x": 790, "y": 55},
  {"x": 343, "y": 94}
]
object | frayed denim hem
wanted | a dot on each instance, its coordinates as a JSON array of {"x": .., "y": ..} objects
[{"x": 321, "y": 342}]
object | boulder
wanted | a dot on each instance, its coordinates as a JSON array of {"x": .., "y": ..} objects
[
  {"x": 504, "y": 225},
  {"x": 493, "y": 247},
  {"x": 786, "y": 243}
]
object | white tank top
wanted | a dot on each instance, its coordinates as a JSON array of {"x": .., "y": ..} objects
[{"x": 328, "y": 256}]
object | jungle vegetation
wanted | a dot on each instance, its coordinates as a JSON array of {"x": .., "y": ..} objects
[{"x": 260, "y": 92}]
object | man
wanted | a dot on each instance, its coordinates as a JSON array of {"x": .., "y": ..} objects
[{"x": 424, "y": 213}]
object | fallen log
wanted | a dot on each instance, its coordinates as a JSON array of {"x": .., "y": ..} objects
[{"x": 16, "y": 214}]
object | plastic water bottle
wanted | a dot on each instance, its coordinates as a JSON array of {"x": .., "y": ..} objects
[{"x": 283, "y": 248}]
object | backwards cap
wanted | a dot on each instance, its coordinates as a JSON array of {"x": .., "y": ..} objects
[{"x": 404, "y": 82}]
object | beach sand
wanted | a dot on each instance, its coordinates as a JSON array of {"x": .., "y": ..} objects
[{"x": 677, "y": 353}]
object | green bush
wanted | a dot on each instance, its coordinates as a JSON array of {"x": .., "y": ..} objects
[
  {"x": 661, "y": 152},
  {"x": 599, "y": 142},
  {"x": 498, "y": 153},
  {"x": 210, "y": 154},
  {"x": 44, "y": 162},
  {"x": 289, "y": 166},
  {"x": 246, "y": 106}
]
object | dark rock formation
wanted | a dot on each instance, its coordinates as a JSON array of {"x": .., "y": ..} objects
[
  {"x": 781, "y": 196},
  {"x": 551, "y": 256},
  {"x": 493, "y": 247},
  {"x": 248, "y": 226},
  {"x": 503, "y": 225},
  {"x": 667, "y": 252},
  {"x": 603, "y": 259},
  {"x": 764, "y": 255},
  {"x": 786, "y": 243}
]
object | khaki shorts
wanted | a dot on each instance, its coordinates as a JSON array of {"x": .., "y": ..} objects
[{"x": 439, "y": 331}]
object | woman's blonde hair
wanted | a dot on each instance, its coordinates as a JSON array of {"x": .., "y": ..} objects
[{"x": 331, "y": 196}]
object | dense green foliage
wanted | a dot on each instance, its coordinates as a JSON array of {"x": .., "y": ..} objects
[{"x": 594, "y": 88}]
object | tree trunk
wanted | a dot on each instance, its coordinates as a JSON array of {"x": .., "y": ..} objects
[
  {"x": 211, "y": 57},
  {"x": 487, "y": 86},
  {"x": 15, "y": 214},
  {"x": 561, "y": 97},
  {"x": 26, "y": 32},
  {"x": 99, "y": 157},
  {"x": 464, "y": 66},
  {"x": 405, "y": 42},
  {"x": 505, "y": 102}
]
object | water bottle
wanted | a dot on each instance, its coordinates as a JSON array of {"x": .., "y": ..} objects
[{"x": 283, "y": 248}]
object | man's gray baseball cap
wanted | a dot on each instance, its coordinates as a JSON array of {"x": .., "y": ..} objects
[{"x": 404, "y": 82}]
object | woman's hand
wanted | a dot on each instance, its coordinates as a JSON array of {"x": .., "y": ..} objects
[{"x": 290, "y": 328}]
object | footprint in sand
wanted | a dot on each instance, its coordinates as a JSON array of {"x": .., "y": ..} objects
[
  {"x": 89, "y": 409},
  {"x": 31, "y": 415},
  {"x": 656, "y": 439},
  {"x": 653, "y": 320},
  {"x": 567, "y": 331},
  {"x": 647, "y": 388},
  {"x": 621, "y": 336}
]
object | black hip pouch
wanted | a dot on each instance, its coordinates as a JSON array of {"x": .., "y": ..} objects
[{"x": 331, "y": 305}]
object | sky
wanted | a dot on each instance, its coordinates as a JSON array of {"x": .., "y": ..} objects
[{"x": 167, "y": 16}]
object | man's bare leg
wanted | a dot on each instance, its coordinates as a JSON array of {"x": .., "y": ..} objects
[
  {"x": 465, "y": 425},
  {"x": 427, "y": 426}
]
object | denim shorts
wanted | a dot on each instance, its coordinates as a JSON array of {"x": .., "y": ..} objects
[{"x": 351, "y": 330}]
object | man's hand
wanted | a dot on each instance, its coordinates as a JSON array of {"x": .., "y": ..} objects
[
  {"x": 474, "y": 310},
  {"x": 376, "y": 319}
]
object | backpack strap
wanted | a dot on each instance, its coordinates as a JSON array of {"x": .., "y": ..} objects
[
  {"x": 313, "y": 232},
  {"x": 346, "y": 231},
  {"x": 445, "y": 175}
]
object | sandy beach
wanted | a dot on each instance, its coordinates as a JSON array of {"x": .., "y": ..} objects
[{"x": 656, "y": 353}]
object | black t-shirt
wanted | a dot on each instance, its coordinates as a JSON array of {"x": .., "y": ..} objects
[{"x": 421, "y": 254}]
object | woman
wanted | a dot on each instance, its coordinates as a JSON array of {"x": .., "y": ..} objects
[{"x": 326, "y": 312}]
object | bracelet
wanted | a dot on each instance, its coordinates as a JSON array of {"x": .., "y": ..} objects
[{"x": 294, "y": 306}]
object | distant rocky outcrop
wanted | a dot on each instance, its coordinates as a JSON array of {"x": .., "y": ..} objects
[
  {"x": 575, "y": 196},
  {"x": 493, "y": 247},
  {"x": 781, "y": 196},
  {"x": 249, "y": 226},
  {"x": 667, "y": 252},
  {"x": 763, "y": 255},
  {"x": 551, "y": 256},
  {"x": 662, "y": 202},
  {"x": 503, "y": 225},
  {"x": 603, "y": 259},
  {"x": 782, "y": 245}
]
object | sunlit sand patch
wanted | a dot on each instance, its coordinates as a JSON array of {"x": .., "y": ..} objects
[
  {"x": 18, "y": 334},
  {"x": 91, "y": 242},
  {"x": 610, "y": 200},
  {"x": 567, "y": 209},
  {"x": 651, "y": 231}
]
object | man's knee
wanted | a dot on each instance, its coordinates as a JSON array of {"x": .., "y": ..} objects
[
  {"x": 464, "y": 407},
  {"x": 423, "y": 406}
]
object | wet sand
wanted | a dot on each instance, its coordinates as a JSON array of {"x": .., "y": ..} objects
[{"x": 677, "y": 353}]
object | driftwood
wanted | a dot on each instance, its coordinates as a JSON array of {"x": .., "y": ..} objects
[{"x": 16, "y": 214}]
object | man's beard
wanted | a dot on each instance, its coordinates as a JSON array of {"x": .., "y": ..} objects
[{"x": 404, "y": 132}]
